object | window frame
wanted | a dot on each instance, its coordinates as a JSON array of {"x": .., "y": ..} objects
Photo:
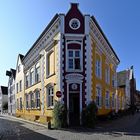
[
  {"x": 74, "y": 57},
  {"x": 99, "y": 96},
  {"x": 50, "y": 97},
  {"x": 98, "y": 68},
  {"x": 20, "y": 85},
  {"x": 113, "y": 101},
  {"x": 32, "y": 74},
  {"x": 17, "y": 88},
  {"x": 27, "y": 80},
  {"x": 49, "y": 52},
  {"x": 37, "y": 99},
  {"x": 107, "y": 75},
  {"x": 20, "y": 103},
  {"x": 37, "y": 74},
  {"x": 32, "y": 102},
  {"x": 107, "y": 100},
  {"x": 27, "y": 101}
]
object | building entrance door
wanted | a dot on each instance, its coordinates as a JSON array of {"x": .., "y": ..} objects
[{"x": 74, "y": 109}]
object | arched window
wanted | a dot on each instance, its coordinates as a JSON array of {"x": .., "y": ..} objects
[{"x": 98, "y": 96}]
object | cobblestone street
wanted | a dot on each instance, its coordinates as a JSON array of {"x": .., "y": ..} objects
[{"x": 124, "y": 128}]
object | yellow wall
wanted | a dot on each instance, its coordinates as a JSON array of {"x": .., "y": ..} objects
[
  {"x": 101, "y": 81},
  {"x": 45, "y": 115}
]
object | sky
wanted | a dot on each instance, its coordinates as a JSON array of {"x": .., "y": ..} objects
[{"x": 22, "y": 21}]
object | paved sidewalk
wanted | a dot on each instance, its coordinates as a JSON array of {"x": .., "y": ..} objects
[
  {"x": 21, "y": 119},
  {"x": 124, "y": 128}
]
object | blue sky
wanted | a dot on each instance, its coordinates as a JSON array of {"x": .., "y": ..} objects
[{"x": 22, "y": 21}]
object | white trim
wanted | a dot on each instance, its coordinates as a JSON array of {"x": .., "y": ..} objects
[
  {"x": 62, "y": 24},
  {"x": 81, "y": 56},
  {"x": 100, "y": 39},
  {"x": 77, "y": 20},
  {"x": 88, "y": 70},
  {"x": 87, "y": 19},
  {"x": 60, "y": 66},
  {"x": 42, "y": 80}
]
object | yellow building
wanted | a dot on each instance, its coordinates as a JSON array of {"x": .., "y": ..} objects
[{"x": 73, "y": 56}]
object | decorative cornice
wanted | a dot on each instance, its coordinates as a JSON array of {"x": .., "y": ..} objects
[{"x": 100, "y": 40}]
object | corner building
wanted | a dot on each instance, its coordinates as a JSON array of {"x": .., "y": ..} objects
[{"x": 73, "y": 56}]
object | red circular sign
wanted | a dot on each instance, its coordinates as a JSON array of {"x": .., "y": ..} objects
[{"x": 58, "y": 94}]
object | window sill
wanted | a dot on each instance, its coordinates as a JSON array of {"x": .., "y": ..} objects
[
  {"x": 74, "y": 70},
  {"x": 32, "y": 85},
  {"x": 33, "y": 108},
  {"x": 50, "y": 108},
  {"x": 48, "y": 76}
]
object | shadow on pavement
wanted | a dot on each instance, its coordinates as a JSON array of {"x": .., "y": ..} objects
[
  {"x": 107, "y": 127},
  {"x": 11, "y": 130}
]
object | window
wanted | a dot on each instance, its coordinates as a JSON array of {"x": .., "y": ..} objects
[
  {"x": 50, "y": 63},
  {"x": 20, "y": 85},
  {"x": 98, "y": 97},
  {"x": 123, "y": 102},
  {"x": 27, "y": 81},
  {"x": 107, "y": 99},
  {"x": 74, "y": 62},
  {"x": 50, "y": 100},
  {"x": 17, "y": 87},
  {"x": 19, "y": 68},
  {"x": 37, "y": 99},
  {"x": 17, "y": 104},
  {"x": 113, "y": 100},
  {"x": 20, "y": 103},
  {"x": 27, "y": 101},
  {"x": 113, "y": 80},
  {"x": 32, "y": 100},
  {"x": 98, "y": 68},
  {"x": 31, "y": 77},
  {"x": 74, "y": 24},
  {"x": 37, "y": 74},
  {"x": 107, "y": 75}
]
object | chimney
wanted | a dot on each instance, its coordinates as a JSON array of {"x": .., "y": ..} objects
[{"x": 74, "y": 5}]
